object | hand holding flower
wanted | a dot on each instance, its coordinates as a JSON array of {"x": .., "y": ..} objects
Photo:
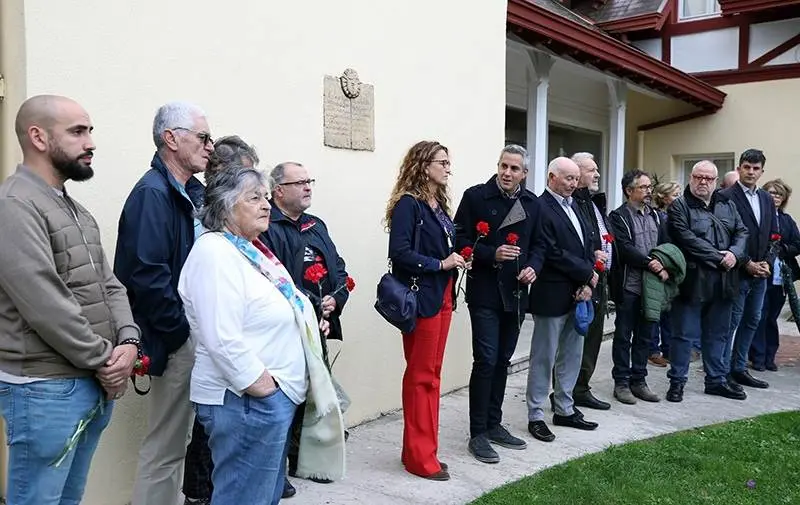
[{"x": 118, "y": 367}]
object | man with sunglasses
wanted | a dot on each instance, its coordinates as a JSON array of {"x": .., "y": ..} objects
[
  {"x": 708, "y": 229},
  {"x": 301, "y": 240},
  {"x": 156, "y": 231}
]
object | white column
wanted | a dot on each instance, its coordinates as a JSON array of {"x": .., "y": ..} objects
[
  {"x": 538, "y": 86},
  {"x": 618, "y": 95}
]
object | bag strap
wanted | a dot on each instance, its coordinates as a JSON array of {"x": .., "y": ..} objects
[{"x": 417, "y": 228}]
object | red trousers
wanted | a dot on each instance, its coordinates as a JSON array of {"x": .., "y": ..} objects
[{"x": 424, "y": 352}]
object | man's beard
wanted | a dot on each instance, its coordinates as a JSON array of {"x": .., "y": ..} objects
[{"x": 70, "y": 168}]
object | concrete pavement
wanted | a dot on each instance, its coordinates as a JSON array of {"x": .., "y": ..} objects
[{"x": 375, "y": 475}]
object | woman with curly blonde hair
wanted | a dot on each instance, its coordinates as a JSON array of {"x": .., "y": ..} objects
[{"x": 419, "y": 200}]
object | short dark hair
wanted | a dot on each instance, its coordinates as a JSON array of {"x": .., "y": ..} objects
[
  {"x": 753, "y": 156},
  {"x": 630, "y": 177}
]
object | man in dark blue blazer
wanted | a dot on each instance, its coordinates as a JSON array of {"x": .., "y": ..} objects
[
  {"x": 503, "y": 266},
  {"x": 758, "y": 213},
  {"x": 567, "y": 275}
]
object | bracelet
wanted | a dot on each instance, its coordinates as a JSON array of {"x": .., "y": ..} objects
[{"x": 133, "y": 341}]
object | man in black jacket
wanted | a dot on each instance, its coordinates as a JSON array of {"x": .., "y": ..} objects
[
  {"x": 636, "y": 228},
  {"x": 592, "y": 210},
  {"x": 497, "y": 291},
  {"x": 758, "y": 213},
  {"x": 301, "y": 240},
  {"x": 707, "y": 228}
]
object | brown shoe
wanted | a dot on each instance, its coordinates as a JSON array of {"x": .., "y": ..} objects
[
  {"x": 441, "y": 475},
  {"x": 658, "y": 360}
]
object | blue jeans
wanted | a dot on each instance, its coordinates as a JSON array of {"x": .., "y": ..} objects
[
  {"x": 249, "y": 441},
  {"x": 40, "y": 417},
  {"x": 709, "y": 320},
  {"x": 745, "y": 316},
  {"x": 494, "y": 338},
  {"x": 631, "y": 344},
  {"x": 765, "y": 343}
]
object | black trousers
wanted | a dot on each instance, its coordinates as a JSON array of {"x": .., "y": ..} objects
[{"x": 198, "y": 465}]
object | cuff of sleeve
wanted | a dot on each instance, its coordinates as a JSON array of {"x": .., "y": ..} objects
[
  {"x": 127, "y": 332},
  {"x": 248, "y": 376}
]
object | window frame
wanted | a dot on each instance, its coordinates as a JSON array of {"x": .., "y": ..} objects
[
  {"x": 715, "y": 11},
  {"x": 684, "y": 173}
]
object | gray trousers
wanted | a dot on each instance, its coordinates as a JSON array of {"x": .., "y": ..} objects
[{"x": 554, "y": 343}]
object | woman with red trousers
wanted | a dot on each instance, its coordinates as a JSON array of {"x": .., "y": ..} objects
[{"x": 420, "y": 198}]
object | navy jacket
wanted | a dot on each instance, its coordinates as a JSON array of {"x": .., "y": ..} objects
[
  {"x": 790, "y": 242},
  {"x": 155, "y": 234},
  {"x": 423, "y": 265},
  {"x": 490, "y": 284},
  {"x": 568, "y": 264},
  {"x": 758, "y": 235},
  {"x": 288, "y": 239}
]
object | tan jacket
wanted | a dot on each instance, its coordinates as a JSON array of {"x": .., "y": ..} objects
[{"x": 61, "y": 308}]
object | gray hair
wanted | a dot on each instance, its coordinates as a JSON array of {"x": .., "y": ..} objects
[
  {"x": 174, "y": 115},
  {"x": 704, "y": 163},
  {"x": 277, "y": 173},
  {"x": 579, "y": 158},
  {"x": 224, "y": 191},
  {"x": 516, "y": 149},
  {"x": 226, "y": 150}
]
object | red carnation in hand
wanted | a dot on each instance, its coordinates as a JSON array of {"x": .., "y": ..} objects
[
  {"x": 775, "y": 237},
  {"x": 600, "y": 266},
  {"x": 350, "y": 283},
  {"x": 483, "y": 228},
  {"x": 512, "y": 239},
  {"x": 609, "y": 238},
  {"x": 142, "y": 365},
  {"x": 466, "y": 253},
  {"x": 315, "y": 273}
]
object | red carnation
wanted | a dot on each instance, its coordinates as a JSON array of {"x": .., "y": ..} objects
[
  {"x": 609, "y": 238},
  {"x": 483, "y": 228},
  {"x": 600, "y": 266},
  {"x": 512, "y": 238},
  {"x": 775, "y": 237},
  {"x": 142, "y": 365},
  {"x": 315, "y": 273},
  {"x": 350, "y": 283},
  {"x": 466, "y": 253}
]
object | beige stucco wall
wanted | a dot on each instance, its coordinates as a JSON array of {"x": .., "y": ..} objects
[
  {"x": 761, "y": 115},
  {"x": 257, "y": 69}
]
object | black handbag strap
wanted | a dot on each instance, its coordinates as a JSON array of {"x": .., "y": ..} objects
[{"x": 417, "y": 228}]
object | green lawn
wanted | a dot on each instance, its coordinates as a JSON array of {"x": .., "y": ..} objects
[{"x": 710, "y": 466}]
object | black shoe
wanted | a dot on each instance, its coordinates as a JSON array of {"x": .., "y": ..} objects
[
  {"x": 772, "y": 367},
  {"x": 288, "y": 489},
  {"x": 725, "y": 391},
  {"x": 733, "y": 384},
  {"x": 346, "y": 435},
  {"x": 574, "y": 421},
  {"x": 553, "y": 405},
  {"x": 480, "y": 448},
  {"x": 590, "y": 401},
  {"x": 675, "y": 393},
  {"x": 540, "y": 431},
  {"x": 745, "y": 379},
  {"x": 320, "y": 480},
  {"x": 199, "y": 501},
  {"x": 500, "y": 436},
  {"x": 758, "y": 367}
]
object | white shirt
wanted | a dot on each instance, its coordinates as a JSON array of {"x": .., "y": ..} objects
[
  {"x": 240, "y": 323},
  {"x": 755, "y": 202},
  {"x": 566, "y": 206}
]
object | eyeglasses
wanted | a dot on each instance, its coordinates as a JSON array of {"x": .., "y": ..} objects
[
  {"x": 443, "y": 163},
  {"x": 703, "y": 178},
  {"x": 299, "y": 184},
  {"x": 204, "y": 137},
  {"x": 644, "y": 188}
]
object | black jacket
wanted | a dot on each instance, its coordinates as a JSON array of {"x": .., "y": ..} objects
[
  {"x": 702, "y": 233},
  {"x": 790, "y": 242},
  {"x": 758, "y": 235},
  {"x": 626, "y": 255},
  {"x": 567, "y": 263},
  {"x": 155, "y": 234},
  {"x": 490, "y": 284},
  {"x": 423, "y": 264},
  {"x": 288, "y": 240},
  {"x": 584, "y": 199}
]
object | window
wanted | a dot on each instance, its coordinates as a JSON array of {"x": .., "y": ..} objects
[
  {"x": 725, "y": 162},
  {"x": 691, "y": 9}
]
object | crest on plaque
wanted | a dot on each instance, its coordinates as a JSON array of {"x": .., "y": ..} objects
[{"x": 348, "y": 112}]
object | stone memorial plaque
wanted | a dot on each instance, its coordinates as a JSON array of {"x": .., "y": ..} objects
[{"x": 348, "y": 112}]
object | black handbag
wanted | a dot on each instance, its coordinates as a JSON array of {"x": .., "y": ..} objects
[{"x": 396, "y": 302}]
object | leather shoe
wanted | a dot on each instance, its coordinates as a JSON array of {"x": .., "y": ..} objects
[
  {"x": 480, "y": 448},
  {"x": 757, "y": 367},
  {"x": 772, "y": 367},
  {"x": 553, "y": 405},
  {"x": 441, "y": 476},
  {"x": 675, "y": 393},
  {"x": 288, "y": 489},
  {"x": 725, "y": 391},
  {"x": 574, "y": 421},
  {"x": 540, "y": 431},
  {"x": 733, "y": 384},
  {"x": 745, "y": 379},
  {"x": 590, "y": 401}
]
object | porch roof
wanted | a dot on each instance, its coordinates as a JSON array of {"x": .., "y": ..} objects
[
  {"x": 548, "y": 24},
  {"x": 730, "y": 7},
  {"x": 619, "y": 16}
]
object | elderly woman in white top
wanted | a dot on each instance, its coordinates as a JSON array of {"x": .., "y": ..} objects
[{"x": 257, "y": 353}]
